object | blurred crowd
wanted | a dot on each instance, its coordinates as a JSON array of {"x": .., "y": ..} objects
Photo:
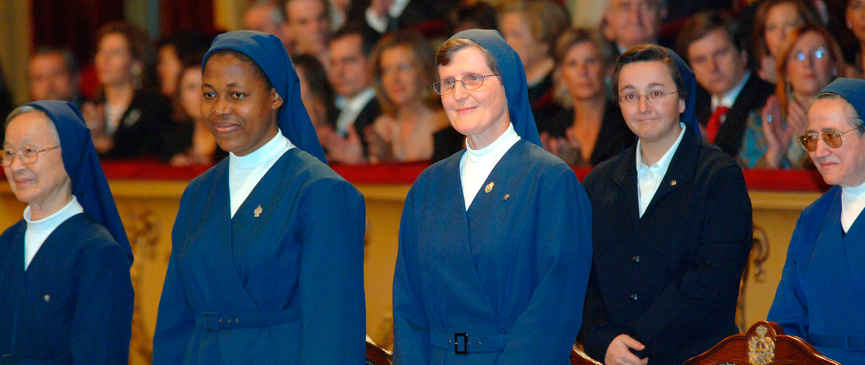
[{"x": 366, "y": 70}]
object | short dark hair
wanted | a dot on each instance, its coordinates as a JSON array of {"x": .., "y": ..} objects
[
  {"x": 353, "y": 28},
  {"x": 259, "y": 73},
  {"x": 700, "y": 25},
  {"x": 68, "y": 58},
  {"x": 649, "y": 52}
]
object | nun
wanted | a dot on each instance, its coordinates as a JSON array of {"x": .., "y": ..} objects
[
  {"x": 495, "y": 240},
  {"x": 67, "y": 297},
  {"x": 267, "y": 248},
  {"x": 820, "y": 296},
  {"x": 672, "y": 225}
]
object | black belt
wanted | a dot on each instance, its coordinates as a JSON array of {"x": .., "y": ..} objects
[
  {"x": 466, "y": 342},
  {"x": 850, "y": 343},
  {"x": 213, "y": 321}
]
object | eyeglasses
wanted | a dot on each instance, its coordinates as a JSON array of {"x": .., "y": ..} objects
[
  {"x": 831, "y": 136},
  {"x": 470, "y": 81},
  {"x": 819, "y": 53},
  {"x": 28, "y": 154},
  {"x": 652, "y": 96}
]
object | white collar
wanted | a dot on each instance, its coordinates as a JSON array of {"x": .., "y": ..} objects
[
  {"x": 664, "y": 162},
  {"x": 496, "y": 148},
  {"x": 730, "y": 96},
  {"x": 271, "y": 150},
  {"x": 70, "y": 209},
  {"x": 357, "y": 102}
]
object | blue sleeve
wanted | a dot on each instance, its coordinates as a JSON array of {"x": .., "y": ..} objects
[
  {"x": 788, "y": 308},
  {"x": 545, "y": 332},
  {"x": 102, "y": 323},
  {"x": 175, "y": 322},
  {"x": 411, "y": 329},
  {"x": 333, "y": 317},
  {"x": 711, "y": 284}
]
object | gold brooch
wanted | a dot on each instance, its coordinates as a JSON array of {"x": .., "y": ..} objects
[
  {"x": 489, "y": 187},
  {"x": 507, "y": 196},
  {"x": 257, "y": 212}
]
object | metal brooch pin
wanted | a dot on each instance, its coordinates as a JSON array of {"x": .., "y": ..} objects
[
  {"x": 47, "y": 298},
  {"x": 257, "y": 212},
  {"x": 489, "y": 187}
]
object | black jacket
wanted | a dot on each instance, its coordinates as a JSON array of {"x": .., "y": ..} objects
[
  {"x": 671, "y": 278},
  {"x": 732, "y": 131}
]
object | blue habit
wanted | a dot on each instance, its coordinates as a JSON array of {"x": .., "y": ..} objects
[
  {"x": 73, "y": 304},
  {"x": 821, "y": 294},
  {"x": 510, "y": 273},
  {"x": 280, "y": 283}
]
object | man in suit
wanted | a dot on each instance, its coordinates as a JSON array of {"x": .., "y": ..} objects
[
  {"x": 671, "y": 225},
  {"x": 631, "y": 22},
  {"x": 720, "y": 64},
  {"x": 349, "y": 74},
  {"x": 309, "y": 22}
]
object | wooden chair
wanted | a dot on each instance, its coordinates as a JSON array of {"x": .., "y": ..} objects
[
  {"x": 763, "y": 344},
  {"x": 376, "y": 355},
  {"x": 578, "y": 357}
]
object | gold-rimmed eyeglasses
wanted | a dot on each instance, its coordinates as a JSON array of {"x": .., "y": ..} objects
[
  {"x": 831, "y": 136},
  {"x": 27, "y": 154},
  {"x": 470, "y": 81},
  {"x": 633, "y": 97}
]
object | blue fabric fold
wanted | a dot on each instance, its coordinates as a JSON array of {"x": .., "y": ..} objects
[
  {"x": 267, "y": 51},
  {"x": 852, "y": 90},
  {"x": 689, "y": 82}
]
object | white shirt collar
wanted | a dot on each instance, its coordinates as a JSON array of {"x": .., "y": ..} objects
[
  {"x": 244, "y": 172},
  {"x": 649, "y": 177},
  {"x": 350, "y": 108},
  {"x": 38, "y": 230},
  {"x": 477, "y": 164},
  {"x": 852, "y": 204},
  {"x": 729, "y": 98},
  {"x": 664, "y": 162},
  {"x": 273, "y": 149}
]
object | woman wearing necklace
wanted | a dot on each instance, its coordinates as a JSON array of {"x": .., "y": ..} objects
[
  {"x": 267, "y": 249},
  {"x": 495, "y": 241}
]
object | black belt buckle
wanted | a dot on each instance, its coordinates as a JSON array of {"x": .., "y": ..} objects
[{"x": 465, "y": 342}]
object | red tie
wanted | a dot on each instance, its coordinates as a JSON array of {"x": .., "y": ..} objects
[{"x": 715, "y": 123}]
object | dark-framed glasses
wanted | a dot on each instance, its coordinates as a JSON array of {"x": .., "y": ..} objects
[
  {"x": 831, "y": 136},
  {"x": 470, "y": 81},
  {"x": 633, "y": 97},
  {"x": 818, "y": 53},
  {"x": 27, "y": 154}
]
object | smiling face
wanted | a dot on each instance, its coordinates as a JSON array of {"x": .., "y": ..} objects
[
  {"x": 43, "y": 183},
  {"x": 656, "y": 121},
  {"x": 401, "y": 75},
  {"x": 844, "y": 165},
  {"x": 480, "y": 114},
  {"x": 237, "y": 105}
]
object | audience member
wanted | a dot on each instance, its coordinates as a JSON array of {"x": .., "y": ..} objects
[
  {"x": 531, "y": 28},
  {"x": 479, "y": 15},
  {"x": 628, "y": 23},
  {"x": 126, "y": 120},
  {"x": 773, "y": 23},
  {"x": 349, "y": 74},
  {"x": 189, "y": 141},
  {"x": 53, "y": 75},
  {"x": 309, "y": 22},
  {"x": 170, "y": 53},
  {"x": 403, "y": 69},
  {"x": 265, "y": 16},
  {"x": 855, "y": 17},
  {"x": 315, "y": 91},
  {"x": 381, "y": 16},
  {"x": 720, "y": 64},
  {"x": 589, "y": 128},
  {"x": 810, "y": 60}
]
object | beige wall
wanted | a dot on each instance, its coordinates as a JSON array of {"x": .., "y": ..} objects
[{"x": 15, "y": 40}]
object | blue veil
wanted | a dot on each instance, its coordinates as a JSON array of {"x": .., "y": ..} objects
[
  {"x": 267, "y": 51},
  {"x": 852, "y": 90},
  {"x": 689, "y": 116},
  {"x": 513, "y": 77},
  {"x": 81, "y": 161}
]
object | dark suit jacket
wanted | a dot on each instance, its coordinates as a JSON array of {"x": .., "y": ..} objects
[
  {"x": 613, "y": 138},
  {"x": 671, "y": 278},
  {"x": 366, "y": 118},
  {"x": 732, "y": 131}
]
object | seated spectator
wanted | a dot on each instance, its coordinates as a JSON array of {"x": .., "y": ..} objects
[
  {"x": 265, "y": 16},
  {"x": 773, "y": 23},
  {"x": 349, "y": 75},
  {"x": 126, "y": 121},
  {"x": 189, "y": 142},
  {"x": 531, "y": 30},
  {"x": 855, "y": 16},
  {"x": 309, "y": 22},
  {"x": 590, "y": 128},
  {"x": 403, "y": 69},
  {"x": 479, "y": 15},
  {"x": 819, "y": 297},
  {"x": 720, "y": 64},
  {"x": 170, "y": 53},
  {"x": 315, "y": 91},
  {"x": 53, "y": 75},
  {"x": 378, "y": 17},
  {"x": 628, "y": 23},
  {"x": 810, "y": 60}
]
